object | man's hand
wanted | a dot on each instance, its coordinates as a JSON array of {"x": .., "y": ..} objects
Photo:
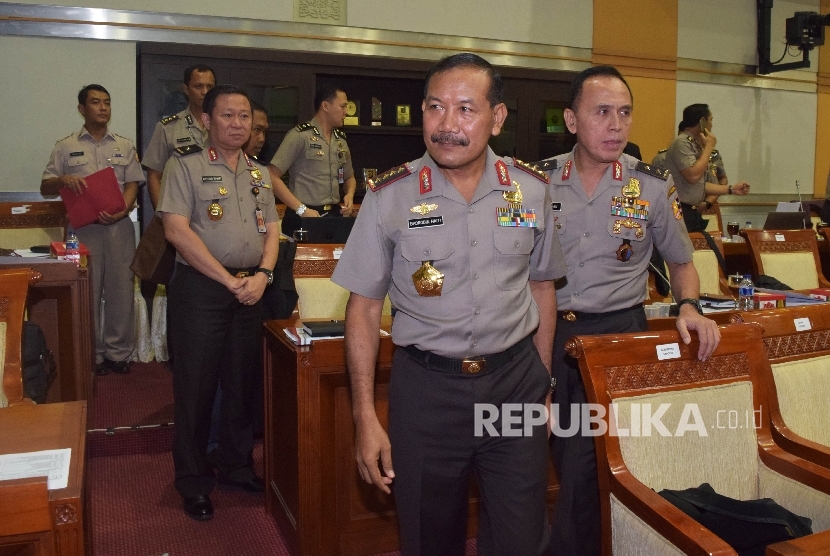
[
  {"x": 310, "y": 213},
  {"x": 76, "y": 183},
  {"x": 348, "y": 204},
  {"x": 707, "y": 331},
  {"x": 249, "y": 290},
  {"x": 740, "y": 188},
  {"x": 709, "y": 139},
  {"x": 372, "y": 444}
]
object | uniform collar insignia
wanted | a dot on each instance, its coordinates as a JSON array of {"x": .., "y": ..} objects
[
  {"x": 566, "y": 171},
  {"x": 214, "y": 156},
  {"x": 501, "y": 171},
  {"x": 248, "y": 160},
  {"x": 426, "y": 180},
  {"x": 617, "y": 172},
  {"x": 189, "y": 119}
]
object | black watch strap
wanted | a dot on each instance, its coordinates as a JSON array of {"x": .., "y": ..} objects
[
  {"x": 268, "y": 273},
  {"x": 691, "y": 301}
]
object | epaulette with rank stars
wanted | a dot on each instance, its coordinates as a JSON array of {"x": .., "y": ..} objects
[
  {"x": 531, "y": 169},
  {"x": 188, "y": 149},
  {"x": 661, "y": 151},
  {"x": 306, "y": 126},
  {"x": 545, "y": 165},
  {"x": 168, "y": 119},
  {"x": 655, "y": 171},
  {"x": 390, "y": 176},
  {"x": 67, "y": 137},
  {"x": 339, "y": 134}
]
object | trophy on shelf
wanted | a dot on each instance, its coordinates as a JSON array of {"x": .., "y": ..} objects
[
  {"x": 352, "y": 113},
  {"x": 377, "y": 111},
  {"x": 403, "y": 115},
  {"x": 369, "y": 174}
]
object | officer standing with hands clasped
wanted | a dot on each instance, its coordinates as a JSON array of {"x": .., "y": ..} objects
[
  {"x": 462, "y": 242},
  {"x": 219, "y": 213},
  {"x": 609, "y": 209}
]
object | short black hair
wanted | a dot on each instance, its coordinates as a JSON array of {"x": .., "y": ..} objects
[
  {"x": 201, "y": 68},
  {"x": 692, "y": 115},
  {"x": 495, "y": 94},
  {"x": 83, "y": 93},
  {"x": 596, "y": 71},
  {"x": 326, "y": 94},
  {"x": 257, "y": 107},
  {"x": 210, "y": 98}
]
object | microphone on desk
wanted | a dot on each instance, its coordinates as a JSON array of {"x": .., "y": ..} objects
[{"x": 801, "y": 206}]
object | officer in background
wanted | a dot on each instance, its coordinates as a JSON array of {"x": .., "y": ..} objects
[
  {"x": 688, "y": 161},
  {"x": 180, "y": 130},
  {"x": 462, "y": 242},
  {"x": 111, "y": 241},
  {"x": 318, "y": 161},
  {"x": 219, "y": 213},
  {"x": 259, "y": 130},
  {"x": 609, "y": 209}
]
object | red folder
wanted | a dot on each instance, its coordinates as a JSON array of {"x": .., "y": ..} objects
[{"x": 102, "y": 193}]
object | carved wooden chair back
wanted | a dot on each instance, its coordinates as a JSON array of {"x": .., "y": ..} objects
[
  {"x": 712, "y": 278},
  {"x": 790, "y": 256},
  {"x": 14, "y": 287},
  {"x": 678, "y": 422}
]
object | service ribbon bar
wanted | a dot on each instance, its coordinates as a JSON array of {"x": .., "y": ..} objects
[{"x": 523, "y": 218}]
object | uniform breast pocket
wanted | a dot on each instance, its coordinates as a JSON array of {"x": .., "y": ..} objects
[
  {"x": 430, "y": 247},
  {"x": 119, "y": 164},
  {"x": 512, "y": 256},
  {"x": 315, "y": 151},
  {"x": 213, "y": 206},
  {"x": 76, "y": 161},
  {"x": 635, "y": 233}
]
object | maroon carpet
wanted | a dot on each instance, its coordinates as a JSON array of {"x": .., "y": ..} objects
[{"x": 142, "y": 397}]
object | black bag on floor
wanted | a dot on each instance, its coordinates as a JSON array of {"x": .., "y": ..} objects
[
  {"x": 748, "y": 526},
  {"x": 38, "y": 363}
]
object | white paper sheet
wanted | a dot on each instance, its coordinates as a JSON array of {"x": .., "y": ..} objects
[{"x": 52, "y": 463}]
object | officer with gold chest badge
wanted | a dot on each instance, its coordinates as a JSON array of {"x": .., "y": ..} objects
[
  {"x": 609, "y": 209},
  {"x": 218, "y": 211},
  {"x": 462, "y": 242}
]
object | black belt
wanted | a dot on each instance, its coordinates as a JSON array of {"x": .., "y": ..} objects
[
  {"x": 471, "y": 366},
  {"x": 573, "y": 316},
  {"x": 241, "y": 272},
  {"x": 688, "y": 206},
  {"x": 322, "y": 208}
]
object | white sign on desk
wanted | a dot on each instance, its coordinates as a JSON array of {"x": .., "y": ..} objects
[
  {"x": 802, "y": 324},
  {"x": 52, "y": 463}
]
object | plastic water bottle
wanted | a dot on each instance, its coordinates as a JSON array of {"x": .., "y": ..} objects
[
  {"x": 748, "y": 225},
  {"x": 746, "y": 292},
  {"x": 73, "y": 252}
]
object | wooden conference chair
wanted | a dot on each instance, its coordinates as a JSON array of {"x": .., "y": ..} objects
[
  {"x": 14, "y": 286},
  {"x": 712, "y": 278},
  {"x": 726, "y": 442},
  {"x": 790, "y": 256}
]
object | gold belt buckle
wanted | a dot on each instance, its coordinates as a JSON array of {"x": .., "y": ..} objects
[
  {"x": 242, "y": 274},
  {"x": 473, "y": 366},
  {"x": 569, "y": 316},
  {"x": 326, "y": 207}
]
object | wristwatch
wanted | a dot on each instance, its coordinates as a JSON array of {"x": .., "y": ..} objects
[
  {"x": 690, "y": 301},
  {"x": 301, "y": 210},
  {"x": 730, "y": 190},
  {"x": 268, "y": 273}
]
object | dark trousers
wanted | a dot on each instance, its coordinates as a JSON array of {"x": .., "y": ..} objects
[
  {"x": 217, "y": 341},
  {"x": 434, "y": 450},
  {"x": 576, "y": 518},
  {"x": 291, "y": 222},
  {"x": 693, "y": 219}
]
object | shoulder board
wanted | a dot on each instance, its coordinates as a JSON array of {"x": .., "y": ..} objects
[
  {"x": 389, "y": 176},
  {"x": 339, "y": 134},
  {"x": 304, "y": 127},
  {"x": 189, "y": 149},
  {"x": 168, "y": 119},
  {"x": 715, "y": 152},
  {"x": 122, "y": 137},
  {"x": 690, "y": 139},
  {"x": 655, "y": 171},
  {"x": 531, "y": 169},
  {"x": 661, "y": 151},
  {"x": 64, "y": 138},
  {"x": 545, "y": 165}
]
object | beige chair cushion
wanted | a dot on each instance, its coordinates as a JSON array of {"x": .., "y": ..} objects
[
  {"x": 706, "y": 264},
  {"x": 4, "y": 401},
  {"x": 712, "y": 224},
  {"x": 727, "y": 458},
  {"x": 320, "y": 298},
  {"x": 24, "y": 238},
  {"x": 803, "y": 392},
  {"x": 797, "y": 270},
  {"x": 631, "y": 536},
  {"x": 796, "y": 497}
]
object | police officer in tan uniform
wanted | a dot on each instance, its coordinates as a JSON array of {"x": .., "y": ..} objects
[
  {"x": 462, "y": 242},
  {"x": 688, "y": 161},
  {"x": 218, "y": 211},
  {"x": 179, "y": 130},
  {"x": 608, "y": 211},
  {"x": 318, "y": 160},
  {"x": 111, "y": 241}
]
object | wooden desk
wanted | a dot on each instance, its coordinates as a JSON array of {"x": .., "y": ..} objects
[
  {"x": 313, "y": 488},
  {"x": 817, "y": 544},
  {"x": 31, "y": 428},
  {"x": 60, "y": 304}
]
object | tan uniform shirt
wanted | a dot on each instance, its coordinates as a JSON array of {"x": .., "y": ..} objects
[
  {"x": 80, "y": 155},
  {"x": 316, "y": 168},
  {"x": 597, "y": 281},
  {"x": 181, "y": 130},
  {"x": 193, "y": 182},
  {"x": 485, "y": 305},
  {"x": 684, "y": 153}
]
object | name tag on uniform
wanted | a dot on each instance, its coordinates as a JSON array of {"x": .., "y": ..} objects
[
  {"x": 426, "y": 222},
  {"x": 117, "y": 155},
  {"x": 77, "y": 153},
  {"x": 183, "y": 140},
  {"x": 315, "y": 145},
  {"x": 211, "y": 178}
]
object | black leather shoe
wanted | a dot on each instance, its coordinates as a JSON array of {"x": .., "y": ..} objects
[
  {"x": 251, "y": 484},
  {"x": 102, "y": 368},
  {"x": 120, "y": 367},
  {"x": 199, "y": 508}
]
